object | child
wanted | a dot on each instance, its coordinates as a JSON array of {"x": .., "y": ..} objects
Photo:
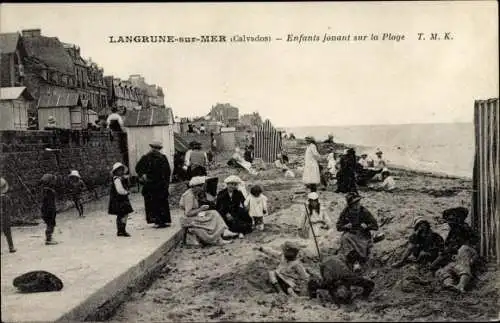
[
  {"x": 256, "y": 204},
  {"x": 459, "y": 233},
  {"x": 76, "y": 187},
  {"x": 290, "y": 276},
  {"x": 318, "y": 216},
  {"x": 119, "y": 203},
  {"x": 6, "y": 210},
  {"x": 424, "y": 244},
  {"x": 388, "y": 184},
  {"x": 337, "y": 279},
  {"x": 48, "y": 182},
  {"x": 461, "y": 268}
]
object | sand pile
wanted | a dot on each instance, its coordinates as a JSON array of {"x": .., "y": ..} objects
[{"x": 228, "y": 283}]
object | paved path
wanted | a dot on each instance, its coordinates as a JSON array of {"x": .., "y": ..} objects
[{"x": 91, "y": 260}]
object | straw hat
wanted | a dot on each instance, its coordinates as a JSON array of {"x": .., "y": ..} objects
[
  {"x": 232, "y": 179},
  {"x": 353, "y": 198},
  {"x": 156, "y": 144},
  {"x": 419, "y": 220},
  {"x": 313, "y": 196},
  {"x": 4, "y": 186},
  {"x": 117, "y": 166},
  {"x": 75, "y": 173},
  {"x": 197, "y": 180}
]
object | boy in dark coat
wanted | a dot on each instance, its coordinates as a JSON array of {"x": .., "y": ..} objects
[
  {"x": 6, "y": 210},
  {"x": 337, "y": 279},
  {"x": 424, "y": 244},
  {"x": 48, "y": 182},
  {"x": 459, "y": 233}
]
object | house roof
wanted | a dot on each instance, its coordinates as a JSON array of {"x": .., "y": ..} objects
[
  {"x": 8, "y": 43},
  {"x": 180, "y": 145},
  {"x": 69, "y": 99},
  {"x": 50, "y": 51},
  {"x": 148, "y": 117},
  {"x": 13, "y": 93}
]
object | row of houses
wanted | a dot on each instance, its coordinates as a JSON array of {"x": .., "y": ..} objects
[{"x": 46, "y": 73}]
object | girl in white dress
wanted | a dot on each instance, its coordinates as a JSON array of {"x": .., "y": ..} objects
[
  {"x": 256, "y": 204},
  {"x": 311, "y": 176}
]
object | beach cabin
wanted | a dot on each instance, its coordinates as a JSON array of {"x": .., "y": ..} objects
[
  {"x": 69, "y": 110},
  {"x": 227, "y": 139},
  {"x": 145, "y": 126},
  {"x": 14, "y": 104},
  {"x": 92, "y": 116}
]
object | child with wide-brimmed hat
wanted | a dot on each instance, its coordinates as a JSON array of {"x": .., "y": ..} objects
[
  {"x": 76, "y": 188},
  {"x": 49, "y": 211},
  {"x": 6, "y": 209},
  {"x": 290, "y": 277},
  {"x": 119, "y": 202}
]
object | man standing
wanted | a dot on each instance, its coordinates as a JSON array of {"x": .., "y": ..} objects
[{"x": 153, "y": 170}]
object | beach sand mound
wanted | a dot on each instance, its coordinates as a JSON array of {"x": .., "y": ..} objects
[{"x": 229, "y": 283}]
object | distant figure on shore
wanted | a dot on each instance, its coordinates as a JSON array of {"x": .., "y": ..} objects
[
  {"x": 291, "y": 137},
  {"x": 213, "y": 143},
  {"x": 76, "y": 188},
  {"x": 329, "y": 140},
  {"x": 346, "y": 180},
  {"x": 153, "y": 170},
  {"x": 356, "y": 222},
  {"x": 249, "y": 153},
  {"x": 6, "y": 212},
  {"x": 363, "y": 161},
  {"x": 190, "y": 128},
  {"x": 388, "y": 183},
  {"x": 202, "y": 129},
  {"x": 379, "y": 164},
  {"x": 311, "y": 176},
  {"x": 115, "y": 121}
]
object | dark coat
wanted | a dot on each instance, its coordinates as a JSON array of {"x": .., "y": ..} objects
[
  {"x": 156, "y": 167},
  {"x": 241, "y": 221},
  {"x": 119, "y": 204},
  {"x": 349, "y": 215}
]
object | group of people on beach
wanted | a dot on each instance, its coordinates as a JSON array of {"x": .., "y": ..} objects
[
  {"x": 452, "y": 260},
  {"x": 215, "y": 218}
]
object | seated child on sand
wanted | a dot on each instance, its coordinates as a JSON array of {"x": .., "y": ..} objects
[{"x": 290, "y": 276}]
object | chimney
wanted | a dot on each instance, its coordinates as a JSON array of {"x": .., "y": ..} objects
[{"x": 32, "y": 32}]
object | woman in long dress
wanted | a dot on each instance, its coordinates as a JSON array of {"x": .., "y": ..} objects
[
  {"x": 311, "y": 176},
  {"x": 206, "y": 225},
  {"x": 356, "y": 222}
]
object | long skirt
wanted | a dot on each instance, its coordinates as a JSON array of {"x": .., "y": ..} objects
[
  {"x": 350, "y": 242},
  {"x": 241, "y": 221},
  {"x": 346, "y": 182},
  {"x": 157, "y": 208},
  {"x": 208, "y": 229}
]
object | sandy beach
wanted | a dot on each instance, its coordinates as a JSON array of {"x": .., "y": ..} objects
[{"x": 229, "y": 283}]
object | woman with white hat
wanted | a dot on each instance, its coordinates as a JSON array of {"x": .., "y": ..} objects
[
  {"x": 76, "y": 187},
  {"x": 6, "y": 210},
  {"x": 318, "y": 216},
  {"x": 231, "y": 206},
  {"x": 206, "y": 225},
  {"x": 119, "y": 203},
  {"x": 311, "y": 175}
]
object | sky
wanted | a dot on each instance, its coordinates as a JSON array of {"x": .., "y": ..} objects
[{"x": 292, "y": 84}]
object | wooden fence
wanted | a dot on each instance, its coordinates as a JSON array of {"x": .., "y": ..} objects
[
  {"x": 485, "y": 215},
  {"x": 268, "y": 142}
]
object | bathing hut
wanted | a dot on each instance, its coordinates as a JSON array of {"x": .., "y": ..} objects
[
  {"x": 268, "y": 142},
  {"x": 14, "y": 104},
  {"x": 485, "y": 217},
  {"x": 147, "y": 125},
  {"x": 69, "y": 110}
]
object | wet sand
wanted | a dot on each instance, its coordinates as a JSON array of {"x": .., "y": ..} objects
[{"x": 229, "y": 283}]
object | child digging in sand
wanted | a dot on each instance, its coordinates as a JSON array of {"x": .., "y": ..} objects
[{"x": 290, "y": 277}]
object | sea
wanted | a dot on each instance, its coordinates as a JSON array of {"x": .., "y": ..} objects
[{"x": 445, "y": 148}]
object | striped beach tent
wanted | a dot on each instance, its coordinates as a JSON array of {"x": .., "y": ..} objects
[
  {"x": 485, "y": 217},
  {"x": 268, "y": 142}
]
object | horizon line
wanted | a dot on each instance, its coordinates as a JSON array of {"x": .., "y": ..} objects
[{"x": 373, "y": 124}]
